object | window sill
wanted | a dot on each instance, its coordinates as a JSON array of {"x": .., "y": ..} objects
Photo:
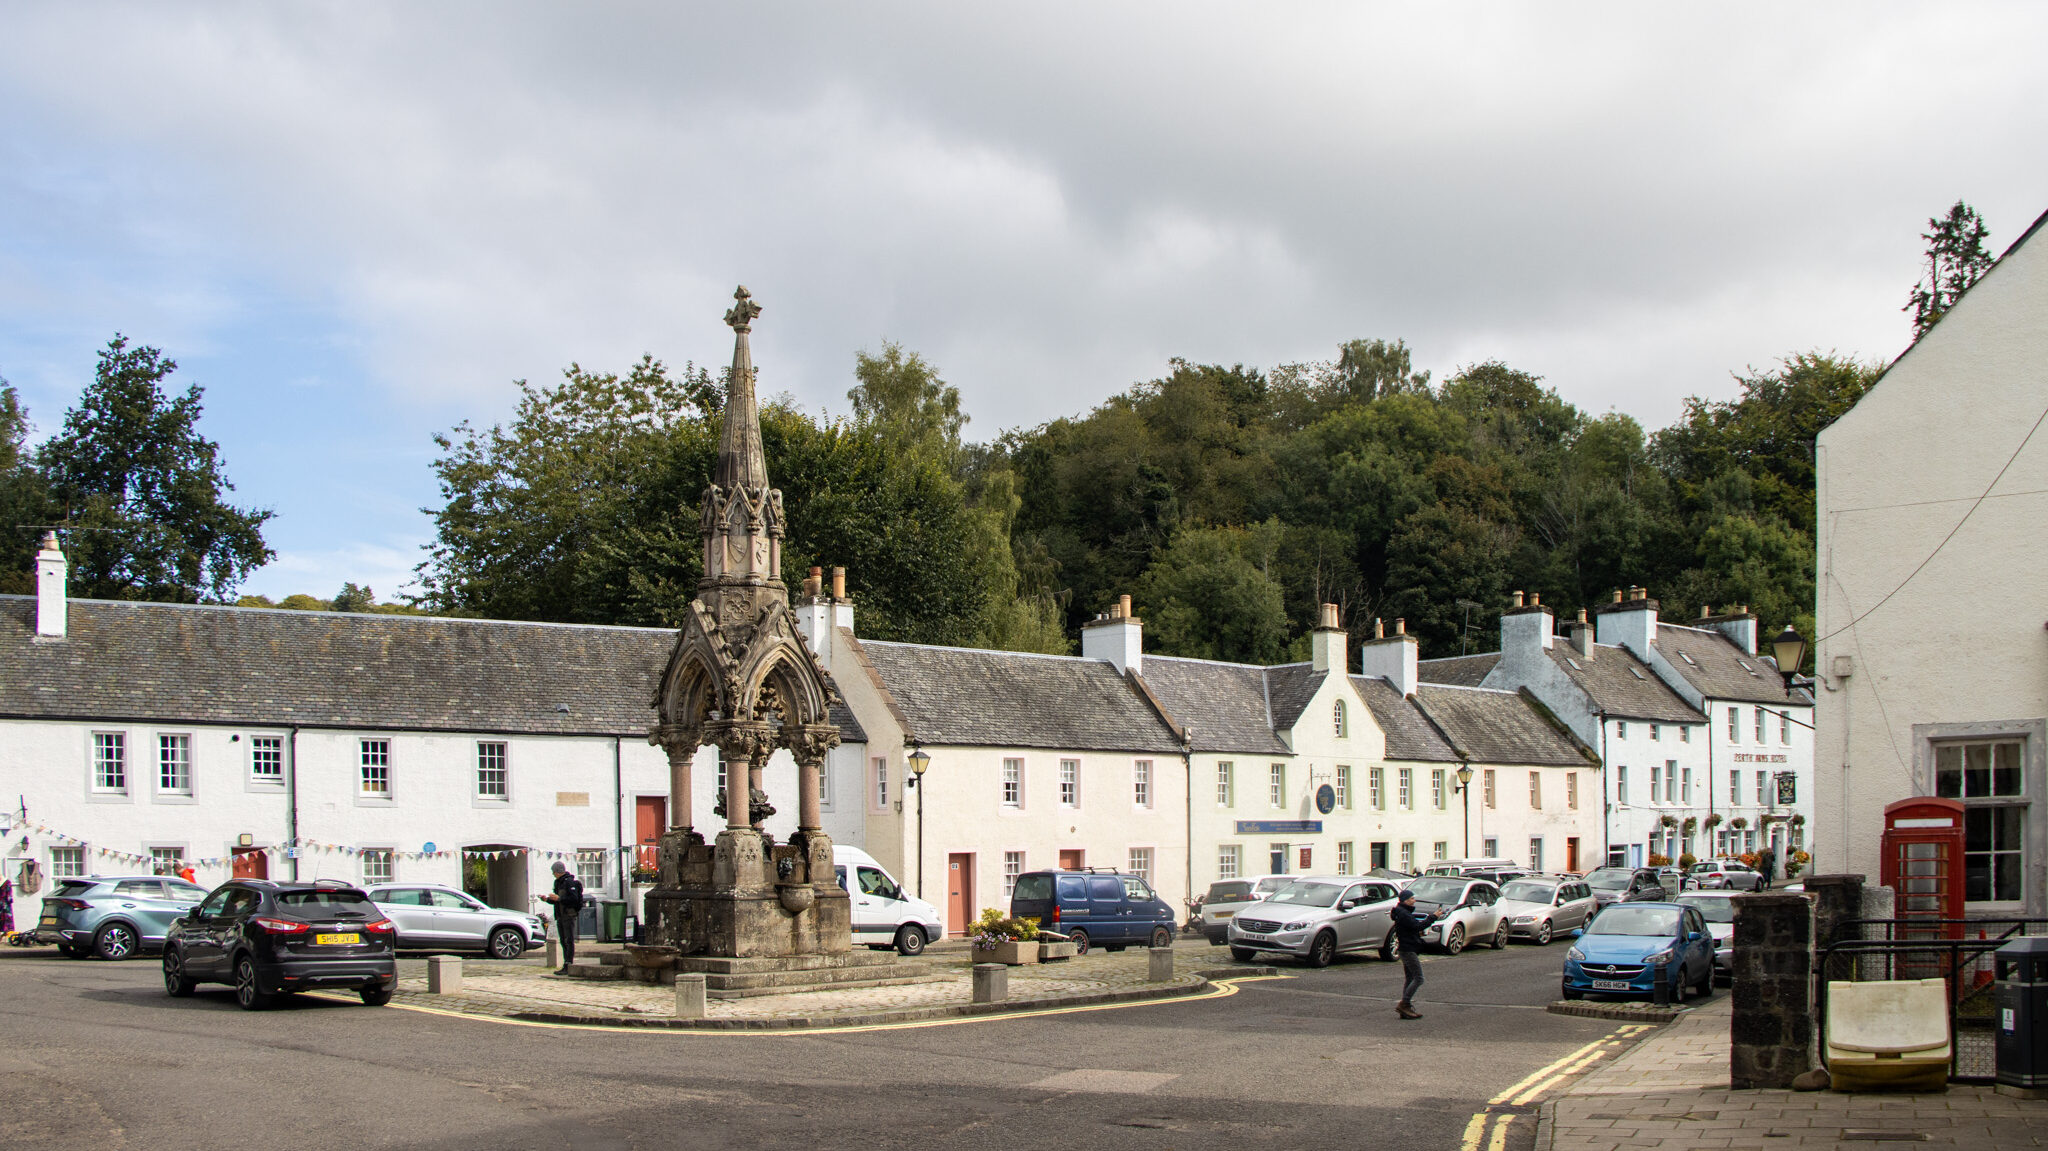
[
  {"x": 173, "y": 798},
  {"x": 109, "y": 797}
]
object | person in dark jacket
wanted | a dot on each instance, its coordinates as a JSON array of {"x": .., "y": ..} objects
[
  {"x": 1408, "y": 926},
  {"x": 568, "y": 900}
]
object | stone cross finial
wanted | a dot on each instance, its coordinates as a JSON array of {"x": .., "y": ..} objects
[{"x": 741, "y": 315}]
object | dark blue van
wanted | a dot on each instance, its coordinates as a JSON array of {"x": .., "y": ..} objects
[{"x": 1096, "y": 907}]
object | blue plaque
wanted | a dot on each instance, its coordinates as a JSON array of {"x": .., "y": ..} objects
[{"x": 1326, "y": 799}]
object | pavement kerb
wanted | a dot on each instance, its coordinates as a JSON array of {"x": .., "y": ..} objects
[{"x": 1206, "y": 984}]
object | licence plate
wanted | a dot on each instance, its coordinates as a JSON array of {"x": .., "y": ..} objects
[
  {"x": 1252, "y": 938},
  {"x": 339, "y": 938},
  {"x": 48, "y": 921},
  {"x": 1225, "y": 914},
  {"x": 1613, "y": 985}
]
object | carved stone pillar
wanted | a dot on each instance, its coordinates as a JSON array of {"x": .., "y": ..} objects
[
  {"x": 811, "y": 745},
  {"x": 681, "y": 744},
  {"x": 738, "y": 744}
]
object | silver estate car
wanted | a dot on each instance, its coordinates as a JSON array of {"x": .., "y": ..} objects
[
  {"x": 1467, "y": 911},
  {"x": 1316, "y": 918},
  {"x": 1539, "y": 908},
  {"x": 1718, "y": 909},
  {"x": 432, "y": 917}
]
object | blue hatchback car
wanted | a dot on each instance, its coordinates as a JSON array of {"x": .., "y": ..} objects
[
  {"x": 1620, "y": 952},
  {"x": 114, "y": 916},
  {"x": 1111, "y": 908}
]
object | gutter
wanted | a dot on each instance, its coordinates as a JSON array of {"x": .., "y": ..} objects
[{"x": 619, "y": 814}]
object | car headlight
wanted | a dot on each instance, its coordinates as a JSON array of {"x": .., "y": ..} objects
[
  {"x": 1297, "y": 925},
  {"x": 1659, "y": 959},
  {"x": 1575, "y": 955}
]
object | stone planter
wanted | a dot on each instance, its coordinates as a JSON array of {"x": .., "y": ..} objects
[
  {"x": 1050, "y": 952},
  {"x": 1011, "y": 953}
]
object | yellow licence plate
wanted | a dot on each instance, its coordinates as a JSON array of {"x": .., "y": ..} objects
[
  {"x": 1225, "y": 914},
  {"x": 327, "y": 940}
]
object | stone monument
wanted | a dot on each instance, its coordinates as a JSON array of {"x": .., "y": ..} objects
[{"x": 742, "y": 679}]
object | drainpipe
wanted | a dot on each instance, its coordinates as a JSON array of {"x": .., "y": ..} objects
[
  {"x": 1606, "y": 794},
  {"x": 1707, "y": 706},
  {"x": 1187, "y": 759},
  {"x": 619, "y": 816},
  {"x": 292, "y": 803}
]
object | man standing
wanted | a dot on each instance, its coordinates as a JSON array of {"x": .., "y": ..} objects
[
  {"x": 1408, "y": 925},
  {"x": 568, "y": 900}
]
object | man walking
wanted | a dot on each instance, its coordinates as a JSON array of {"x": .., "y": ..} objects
[
  {"x": 1408, "y": 925},
  {"x": 568, "y": 900}
]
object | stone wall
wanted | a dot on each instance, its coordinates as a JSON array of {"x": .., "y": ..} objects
[{"x": 1772, "y": 1029}]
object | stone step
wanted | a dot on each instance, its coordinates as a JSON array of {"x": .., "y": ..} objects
[
  {"x": 850, "y": 985},
  {"x": 842, "y": 961},
  {"x": 594, "y": 971},
  {"x": 825, "y": 977}
]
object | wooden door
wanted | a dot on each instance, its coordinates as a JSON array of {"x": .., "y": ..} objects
[
  {"x": 650, "y": 815},
  {"x": 1571, "y": 854},
  {"x": 249, "y": 863},
  {"x": 1072, "y": 859},
  {"x": 959, "y": 893}
]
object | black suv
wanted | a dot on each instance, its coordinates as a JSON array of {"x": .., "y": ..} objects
[
  {"x": 270, "y": 939},
  {"x": 1626, "y": 885}
]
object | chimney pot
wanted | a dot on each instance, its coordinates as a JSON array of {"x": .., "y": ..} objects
[
  {"x": 1582, "y": 615},
  {"x": 1401, "y": 626},
  {"x": 1123, "y": 606},
  {"x": 1518, "y": 599},
  {"x": 838, "y": 583},
  {"x": 1330, "y": 616},
  {"x": 1617, "y": 595},
  {"x": 1379, "y": 628},
  {"x": 1535, "y": 600}
]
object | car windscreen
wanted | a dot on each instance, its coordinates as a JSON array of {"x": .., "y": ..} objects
[
  {"x": 1438, "y": 890},
  {"x": 1528, "y": 891},
  {"x": 1621, "y": 919},
  {"x": 1230, "y": 891},
  {"x": 1712, "y": 910},
  {"x": 326, "y": 902},
  {"x": 1033, "y": 887},
  {"x": 1309, "y": 894},
  {"x": 73, "y": 887},
  {"x": 1610, "y": 880}
]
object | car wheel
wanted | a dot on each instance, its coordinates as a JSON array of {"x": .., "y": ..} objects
[
  {"x": 1242, "y": 954},
  {"x": 115, "y": 941},
  {"x": 175, "y": 984},
  {"x": 1387, "y": 946},
  {"x": 376, "y": 995},
  {"x": 1570, "y": 992},
  {"x": 1079, "y": 939},
  {"x": 1543, "y": 934},
  {"x": 1454, "y": 939},
  {"x": 1323, "y": 950},
  {"x": 1161, "y": 937},
  {"x": 1500, "y": 937},
  {"x": 909, "y": 940},
  {"x": 247, "y": 993},
  {"x": 507, "y": 943}
]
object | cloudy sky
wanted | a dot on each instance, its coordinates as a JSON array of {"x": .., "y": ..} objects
[{"x": 355, "y": 224}]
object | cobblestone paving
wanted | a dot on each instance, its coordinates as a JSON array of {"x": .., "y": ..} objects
[
  {"x": 513, "y": 989},
  {"x": 1672, "y": 1090}
]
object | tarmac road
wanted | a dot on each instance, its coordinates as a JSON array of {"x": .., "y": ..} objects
[{"x": 96, "y": 1056}]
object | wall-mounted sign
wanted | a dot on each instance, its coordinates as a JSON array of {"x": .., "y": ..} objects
[
  {"x": 427, "y": 847},
  {"x": 1279, "y": 827},
  {"x": 1788, "y": 788},
  {"x": 1326, "y": 799}
]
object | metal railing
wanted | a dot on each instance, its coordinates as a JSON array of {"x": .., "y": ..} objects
[{"x": 1956, "y": 950}]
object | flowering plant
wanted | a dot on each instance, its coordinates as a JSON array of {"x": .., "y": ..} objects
[
  {"x": 994, "y": 927},
  {"x": 644, "y": 874}
]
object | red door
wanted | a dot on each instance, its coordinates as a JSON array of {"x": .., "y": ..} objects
[
  {"x": 959, "y": 893},
  {"x": 650, "y": 814},
  {"x": 1071, "y": 859},
  {"x": 249, "y": 863}
]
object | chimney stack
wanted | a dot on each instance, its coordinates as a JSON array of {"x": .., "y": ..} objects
[
  {"x": 1736, "y": 623},
  {"x": 1526, "y": 627},
  {"x": 1582, "y": 637},
  {"x": 52, "y": 610},
  {"x": 1327, "y": 642},
  {"x": 1118, "y": 637},
  {"x": 1631, "y": 624},
  {"x": 1395, "y": 658}
]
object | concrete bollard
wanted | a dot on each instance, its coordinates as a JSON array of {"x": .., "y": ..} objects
[
  {"x": 689, "y": 995},
  {"x": 444, "y": 974},
  {"x": 1161, "y": 970},
  {"x": 991, "y": 982},
  {"x": 554, "y": 953}
]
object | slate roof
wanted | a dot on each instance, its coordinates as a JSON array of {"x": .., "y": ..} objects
[
  {"x": 1623, "y": 686},
  {"x": 1292, "y": 685},
  {"x": 149, "y": 662},
  {"x": 1492, "y": 726},
  {"x": 1458, "y": 670},
  {"x": 1713, "y": 665},
  {"x": 1223, "y": 706},
  {"x": 967, "y": 697},
  {"x": 1410, "y": 735}
]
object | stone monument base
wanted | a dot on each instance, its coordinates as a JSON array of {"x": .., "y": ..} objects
[
  {"x": 747, "y": 898},
  {"x": 727, "y": 977}
]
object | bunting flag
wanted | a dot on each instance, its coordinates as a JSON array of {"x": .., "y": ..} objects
[{"x": 288, "y": 849}]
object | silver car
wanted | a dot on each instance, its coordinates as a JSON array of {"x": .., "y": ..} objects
[
  {"x": 1467, "y": 911},
  {"x": 114, "y": 916},
  {"x": 1316, "y": 918},
  {"x": 1539, "y": 908},
  {"x": 432, "y": 917},
  {"x": 1718, "y": 909}
]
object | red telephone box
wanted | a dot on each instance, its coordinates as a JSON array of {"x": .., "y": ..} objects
[{"x": 1922, "y": 862}]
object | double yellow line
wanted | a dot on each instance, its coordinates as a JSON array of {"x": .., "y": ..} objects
[{"x": 1534, "y": 1085}]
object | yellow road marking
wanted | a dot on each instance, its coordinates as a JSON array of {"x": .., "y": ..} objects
[
  {"x": 1500, "y": 1134},
  {"x": 1221, "y": 989},
  {"x": 1474, "y": 1131},
  {"x": 1565, "y": 1073},
  {"x": 1547, "y": 1070}
]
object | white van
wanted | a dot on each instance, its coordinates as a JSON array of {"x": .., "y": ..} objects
[{"x": 884, "y": 915}]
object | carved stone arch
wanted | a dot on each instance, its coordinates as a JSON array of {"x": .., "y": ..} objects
[{"x": 776, "y": 657}]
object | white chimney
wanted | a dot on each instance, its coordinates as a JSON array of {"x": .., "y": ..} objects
[
  {"x": 1326, "y": 643},
  {"x": 1737, "y": 623},
  {"x": 1630, "y": 622},
  {"x": 1118, "y": 637},
  {"x": 1527, "y": 628},
  {"x": 819, "y": 614},
  {"x": 1391, "y": 657},
  {"x": 51, "y": 570}
]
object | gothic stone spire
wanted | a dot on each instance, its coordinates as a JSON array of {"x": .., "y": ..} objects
[{"x": 742, "y": 515}]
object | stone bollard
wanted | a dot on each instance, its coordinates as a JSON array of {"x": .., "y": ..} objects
[
  {"x": 444, "y": 974},
  {"x": 689, "y": 995},
  {"x": 1772, "y": 1028},
  {"x": 1161, "y": 970},
  {"x": 554, "y": 953},
  {"x": 991, "y": 982}
]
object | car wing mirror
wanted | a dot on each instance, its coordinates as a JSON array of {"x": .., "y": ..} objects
[
  {"x": 1346, "y": 905},
  {"x": 192, "y": 916},
  {"x": 1577, "y": 932}
]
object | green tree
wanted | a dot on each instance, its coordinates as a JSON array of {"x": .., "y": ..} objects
[
  {"x": 144, "y": 490},
  {"x": 1956, "y": 257},
  {"x": 900, "y": 397},
  {"x": 24, "y": 501},
  {"x": 353, "y": 598},
  {"x": 1211, "y": 595}
]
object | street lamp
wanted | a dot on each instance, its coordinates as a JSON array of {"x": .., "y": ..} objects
[
  {"x": 1465, "y": 791},
  {"x": 1790, "y": 650},
  {"x": 919, "y": 764}
]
